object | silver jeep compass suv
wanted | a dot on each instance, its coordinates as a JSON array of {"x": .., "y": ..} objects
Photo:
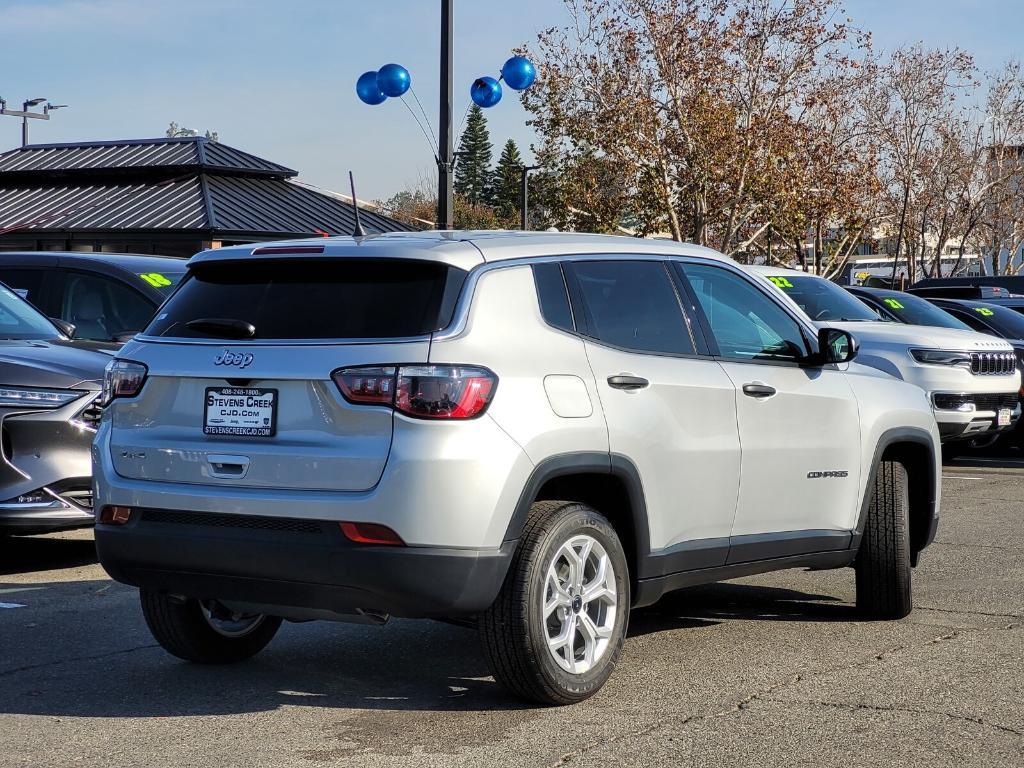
[{"x": 534, "y": 432}]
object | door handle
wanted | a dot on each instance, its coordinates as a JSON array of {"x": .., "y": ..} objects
[
  {"x": 758, "y": 390},
  {"x": 227, "y": 467},
  {"x": 626, "y": 381}
]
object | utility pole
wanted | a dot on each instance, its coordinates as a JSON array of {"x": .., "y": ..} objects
[
  {"x": 524, "y": 192},
  {"x": 25, "y": 115},
  {"x": 445, "y": 164}
]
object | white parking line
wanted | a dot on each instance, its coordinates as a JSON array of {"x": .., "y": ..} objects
[
  {"x": 961, "y": 477},
  {"x": 11, "y": 605}
]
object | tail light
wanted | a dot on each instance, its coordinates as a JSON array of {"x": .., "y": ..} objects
[
  {"x": 421, "y": 391},
  {"x": 122, "y": 378}
]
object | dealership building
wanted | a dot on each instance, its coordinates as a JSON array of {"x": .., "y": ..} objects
[{"x": 161, "y": 196}]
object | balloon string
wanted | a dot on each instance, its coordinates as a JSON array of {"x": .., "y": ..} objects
[
  {"x": 424, "y": 113},
  {"x": 433, "y": 148},
  {"x": 462, "y": 123}
]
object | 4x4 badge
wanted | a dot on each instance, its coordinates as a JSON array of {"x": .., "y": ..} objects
[{"x": 228, "y": 357}]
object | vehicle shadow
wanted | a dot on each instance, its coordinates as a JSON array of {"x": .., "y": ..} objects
[
  {"x": 32, "y": 554},
  {"x": 713, "y": 603},
  {"x": 107, "y": 664}
]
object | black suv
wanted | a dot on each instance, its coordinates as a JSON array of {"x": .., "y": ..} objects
[{"x": 106, "y": 296}]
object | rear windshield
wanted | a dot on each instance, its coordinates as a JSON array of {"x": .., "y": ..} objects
[{"x": 312, "y": 299}]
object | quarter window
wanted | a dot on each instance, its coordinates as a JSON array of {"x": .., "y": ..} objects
[
  {"x": 745, "y": 323},
  {"x": 554, "y": 301},
  {"x": 632, "y": 305}
]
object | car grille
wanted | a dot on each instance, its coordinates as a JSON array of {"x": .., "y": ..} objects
[
  {"x": 81, "y": 497},
  {"x": 993, "y": 363},
  {"x": 215, "y": 520},
  {"x": 987, "y": 402}
]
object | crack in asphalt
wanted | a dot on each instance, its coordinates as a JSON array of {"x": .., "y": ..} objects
[
  {"x": 970, "y": 546},
  {"x": 745, "y": 702},
  {"x": 970, "y": 613},
  {"x": 30, "y": 667},
  {"x": 910, "y": 710}
]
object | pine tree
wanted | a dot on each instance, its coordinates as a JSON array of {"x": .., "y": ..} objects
[
  {"x": 506, "y": 180},
  {"x": 473, "y": 169}
]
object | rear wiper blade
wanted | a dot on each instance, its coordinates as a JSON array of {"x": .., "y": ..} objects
[{"x": 222, "y": 326}]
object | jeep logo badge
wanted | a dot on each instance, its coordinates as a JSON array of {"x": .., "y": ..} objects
[{"x": 227, "y": 357}]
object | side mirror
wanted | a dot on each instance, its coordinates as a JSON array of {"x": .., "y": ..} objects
[
  {"x": 836, "y": 346},
  {"x": 64, "y": 327}
]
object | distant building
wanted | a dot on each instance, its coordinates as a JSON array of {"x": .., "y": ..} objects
[{"x": 164, "y": 196}]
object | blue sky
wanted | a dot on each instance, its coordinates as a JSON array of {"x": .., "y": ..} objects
[{"x": 277, "y": 78}]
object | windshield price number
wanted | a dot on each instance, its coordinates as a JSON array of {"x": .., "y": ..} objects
[{"x": 240, "y": 412}]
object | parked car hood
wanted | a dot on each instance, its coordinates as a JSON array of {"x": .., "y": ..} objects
[
  {"x": 57, "y": 363},
  {"x": 920, "y": 336}
]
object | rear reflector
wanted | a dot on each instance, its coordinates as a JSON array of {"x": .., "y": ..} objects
[
  {"x": 286, "y": 249},
  {"x": 371, "y": 533},
  {"x": 115, "y": 515}
]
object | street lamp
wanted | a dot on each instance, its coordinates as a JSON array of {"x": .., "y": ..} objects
[
  {"x": 524, "y": 194},
  {"x": 393, "y": 80},
  {"x": 26, "y": 115}
]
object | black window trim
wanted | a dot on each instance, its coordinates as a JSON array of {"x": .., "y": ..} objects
[
  {"x": 579, "y": 308},
  {"x": 810, "y": 343}
]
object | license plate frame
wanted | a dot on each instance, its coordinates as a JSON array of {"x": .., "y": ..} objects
[
  {"x": 1004, "y": 417},
  {"x": 253, "y": 419}
]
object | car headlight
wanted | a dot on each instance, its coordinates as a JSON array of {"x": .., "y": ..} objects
[
  {"x": 36, "y": 398},
  {"x": 942, "y": 357}
]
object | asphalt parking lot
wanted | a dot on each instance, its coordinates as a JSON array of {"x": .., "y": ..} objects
[{"x": 770, "y": 670}]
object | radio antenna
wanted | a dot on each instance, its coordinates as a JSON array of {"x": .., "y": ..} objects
[{"x": 357, "y": 230}]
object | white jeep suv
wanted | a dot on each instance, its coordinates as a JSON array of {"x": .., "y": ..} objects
[
  {"x": 536, "y": 433},
  {"x": 972, "y": 379}
]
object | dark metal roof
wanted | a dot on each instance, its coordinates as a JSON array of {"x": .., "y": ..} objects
[
  {"x": 184, "y": 185},
  {"x": 266, "y": 205},
  {"x": 175, "y": 205},
  {"x": 139, "y": 155},
  {"x": 213, "y": 205}
]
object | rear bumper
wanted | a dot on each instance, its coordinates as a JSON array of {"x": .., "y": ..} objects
[{"x": 304, "y": 565}]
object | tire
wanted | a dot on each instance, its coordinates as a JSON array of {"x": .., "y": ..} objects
[
  {"x": 883, "y": 561},
  {"x": 183, "y": 629},
  {"x": 515, "y": 631}
]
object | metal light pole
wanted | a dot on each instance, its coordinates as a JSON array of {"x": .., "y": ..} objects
[
  {"x": 445, "y": 166},
  {"x": 524, "y": 195},
  {"x": 25, "y": 115}
]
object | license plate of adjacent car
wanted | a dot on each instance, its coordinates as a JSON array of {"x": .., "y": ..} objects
[
  {"x": 1004, "y": 417},
  {"x": 240, "y": 411}
]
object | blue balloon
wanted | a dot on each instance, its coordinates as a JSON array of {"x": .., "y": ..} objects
[
  {"x": 393, "y": 79},
  {"x": 485, "y": 92},
  {"x": 368, "y": 90},
  {"x": 519, "y": 73}
]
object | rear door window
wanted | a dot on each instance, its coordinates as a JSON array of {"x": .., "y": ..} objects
[
  {"x": 631, "y": 305},
  {"x": 102, "y": 308},
  {"x": 314, "y": 299}
]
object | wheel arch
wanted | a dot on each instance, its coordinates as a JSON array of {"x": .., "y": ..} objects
[
  {"x": 609, "y": 483},
  {"x": 915, "y": 449}
]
